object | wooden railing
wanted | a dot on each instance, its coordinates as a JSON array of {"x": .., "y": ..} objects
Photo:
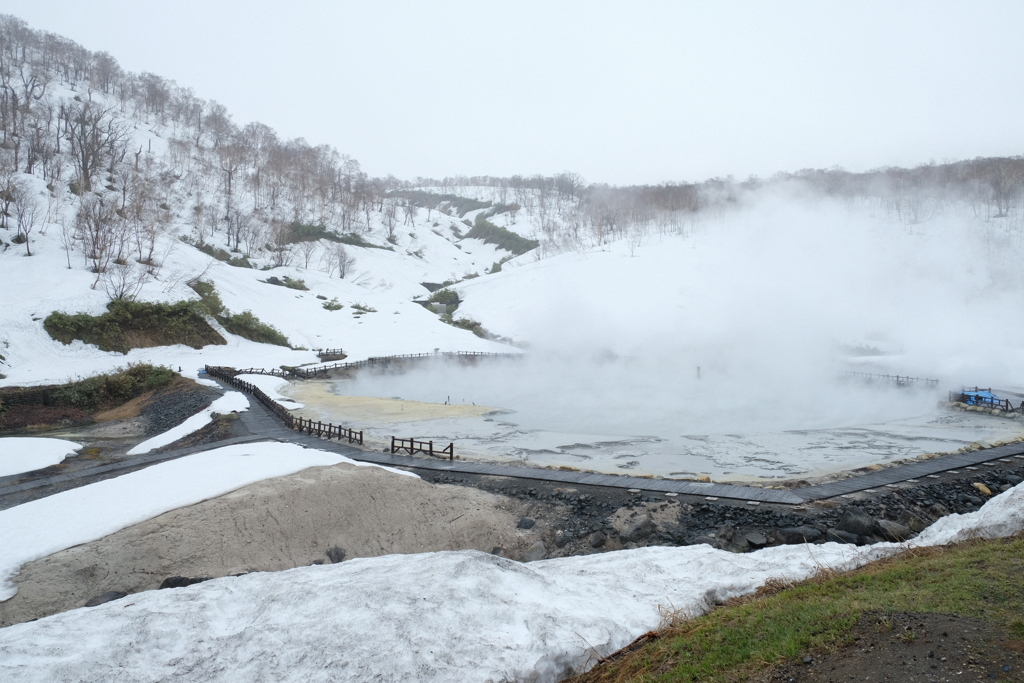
[
  {"x": 412, "y": 447},
  {"x": 330, "y": 354},
  {"x": 972, "y": 399},
  {"x": 373, "y": 361},
  {"x": 327, "y": 430},
  {"x": 899, "y": 380}
]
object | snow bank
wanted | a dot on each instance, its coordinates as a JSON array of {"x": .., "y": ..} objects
[
  {"x": 24, "y": 453},
  {"x": 232, "y": 401},
  {"x": 42, "y": 527},
  {"x": 270, "y": 386},
  {"x": 464, "y": 616}
]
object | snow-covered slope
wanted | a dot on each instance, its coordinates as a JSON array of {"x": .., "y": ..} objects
[{"x": 452, "y": 616}]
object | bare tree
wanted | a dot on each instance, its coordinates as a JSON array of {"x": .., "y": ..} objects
[
  {"x": 410, "y": 210},
  {"x": 389, "y": 215},
  {"x": 67, "y": 236},
  {"x": 307, "y": 248},
  {"x": 281, "y": 249},
  {"x": 338, "y": 259},
  {"x": 123, "y": 281},
  {"x": 27, "y": 210},
  {"x": 95, "y": 222},
  {"x": 96, "y": 134}
]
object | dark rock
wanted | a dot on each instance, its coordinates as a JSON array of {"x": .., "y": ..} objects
[
  {"x": 912, "y": 521},
  {"x": 737, "y": 545},
  {"x": 525, "y": 523},
  {"x": 703, "y": 540},
  {"x": 725, "y": 532},
  {"x": 797, "y": 534},
  {"x": 1012, "y": 479},
  {"x": 756, "y": 539},
  {"x": 321, "y": 296},
  {"x": 938, "y": 510},
  {"x": 273, "y": 280},
  {"x": 639, "y": 530},
  {"x": 336, "y": 554},
  {"x": 106, "y": 597},
  {"x": 561, "y": 540},
  {"x": 597, "y": 539},
  {"x": 181, "y": 581},
  {"x": 535, "y": 552},
  {"x": 894, "y": 531},
  {"x": 839, "y": 536},
  {"x": 974, "y": 500},
  {"x": 856, "y": 521},
  {"x": 497, "y": 550}
]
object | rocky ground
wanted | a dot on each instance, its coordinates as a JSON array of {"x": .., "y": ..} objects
[
  {"x": 581, "y": 519},
  {"x": 913, "y": 648}
]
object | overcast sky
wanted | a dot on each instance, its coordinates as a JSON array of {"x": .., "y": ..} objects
[{"x": 623, "y": 92}]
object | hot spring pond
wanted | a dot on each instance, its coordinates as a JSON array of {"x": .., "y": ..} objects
[{"x": 650, "y": 419}]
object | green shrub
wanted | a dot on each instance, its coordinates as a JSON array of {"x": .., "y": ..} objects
[
  {"x": 488, "y": 232},
  {"x": 333, "y": 305},
  {"x": 114, "y": 388},
  {"x": 245, "y": 325},
  {"x": 496, "y": 266},
  {"x": 363, "y": 308},
  {"x": 295, "y": 284},
  {"x": 298, "y": 232},
  {"x": 432, "y": 200},
  {"x": 446, "y": 297},
  {"x": 217, "y": 252},
  {"x": 208, "y": 297},
  {"x": 250, "y": 327},
  {"x": 132, "y": 325},
  {"x": 466, "y": 324}
]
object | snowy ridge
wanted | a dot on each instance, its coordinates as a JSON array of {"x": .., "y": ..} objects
[{"x": 463, "y": 616}]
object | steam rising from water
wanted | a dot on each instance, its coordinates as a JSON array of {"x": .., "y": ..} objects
[{"x": 771, "y": 304}]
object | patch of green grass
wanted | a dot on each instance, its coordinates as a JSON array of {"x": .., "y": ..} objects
[
  {"x": 295, "y": 284},
  {"x": 500, "y": 237},
  {"x": 250, "y": 327},
  {"x": 112, "y": 389},
  {"x": 446, "y": 297},
  {"x": 466, "y": 324},
  {"x": 217, "y": 252},
  {"x": 496, "y": 266},
  {"x": 208, "y": 297},
  {"x": 131, "y": 325},
  {"x": 432, "y": 200},
  {"x": 979, "y": 579},
  {"x": 245, "y": 325},
  {"x": 297, "y": 232}
]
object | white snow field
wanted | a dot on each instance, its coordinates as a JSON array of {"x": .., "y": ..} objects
[
  {"x": 42, "y": 527},
  {"x": 451, "y": 616},
  {"x": 26, "y": 453},
  {"x": 231, "y": 402}
]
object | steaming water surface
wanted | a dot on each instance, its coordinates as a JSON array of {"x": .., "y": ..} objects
[{"x": 629, "y": 416}]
